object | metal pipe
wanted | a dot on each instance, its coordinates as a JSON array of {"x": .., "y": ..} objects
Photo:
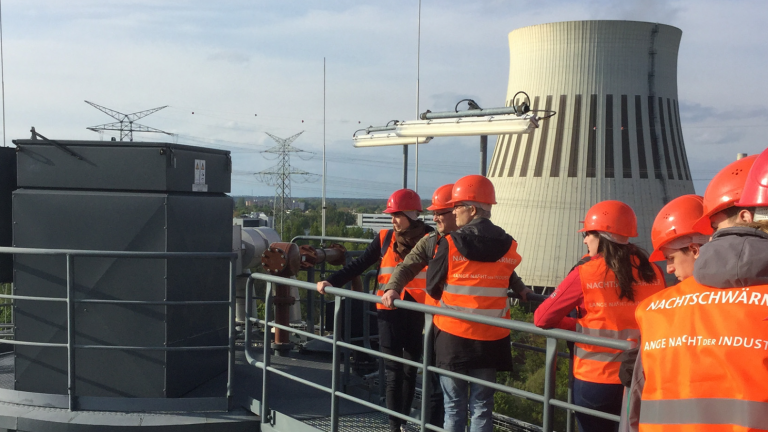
[
  {"x": 497, "y": 322},
  {"x": 311, "y": 302},
  {"x": 70, "y": 332},
  {"x": 232, "y": 335},
  {"x": 469, "y": 113},
  {"x": 426, "y": 377},
  {"x": 483, "y": 154},
  {"x": 405, "y": 166},
  {"x": 266, "y": 415},
  {"x": 283, "y": 301},
  {"x": 334, "y": 239},
  {"x": 115, "y": 254},
  {"x": 335, "y": 366},
  {"x": 550, "y": 372},
  {"x": 347, "y": 337}
]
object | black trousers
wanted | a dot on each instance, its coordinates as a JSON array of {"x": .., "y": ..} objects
[{"x": 400, "y": 335}]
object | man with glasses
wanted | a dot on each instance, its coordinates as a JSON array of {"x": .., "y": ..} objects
[{"x": 470, "y": 273}]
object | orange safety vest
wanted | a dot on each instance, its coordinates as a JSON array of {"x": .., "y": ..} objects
[
  {"x": 477, "y": 288},
  {"x": 705, "y": 356},
  {"x": 607, "y": 315},
  {"x": 417, "y": 288}
]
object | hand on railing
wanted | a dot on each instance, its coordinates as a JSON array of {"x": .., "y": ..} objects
[
  {"x": 321, "y": 286},
  {"x": 389, "y": 297}
]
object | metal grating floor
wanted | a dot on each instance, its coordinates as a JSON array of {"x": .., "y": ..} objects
[{"x": 374, "y": 421}]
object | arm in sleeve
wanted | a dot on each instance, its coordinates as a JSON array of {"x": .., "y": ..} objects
[
  {"x": 407, "y": 270},
  {"x": 371, "y": 255},
  {"x": 437, "y": 272},
  {"x": 554, "y": 310},
  {"x": 516, "y": 284}
]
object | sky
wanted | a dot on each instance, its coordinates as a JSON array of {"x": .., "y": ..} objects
[{"x": 232, "y": 71}]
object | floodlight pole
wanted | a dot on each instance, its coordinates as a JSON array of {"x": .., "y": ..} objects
[{"x": 483, "y": 154}]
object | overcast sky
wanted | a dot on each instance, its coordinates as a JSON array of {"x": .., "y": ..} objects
[{"x": 230, "y": 71}]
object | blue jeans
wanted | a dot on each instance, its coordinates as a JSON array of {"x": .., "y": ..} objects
[
  {"x": 460, "y": 395},
  {"x": 601, "y": 397}
]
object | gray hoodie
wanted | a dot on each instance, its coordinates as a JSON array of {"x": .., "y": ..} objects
[{"x": 735, "y": 257}]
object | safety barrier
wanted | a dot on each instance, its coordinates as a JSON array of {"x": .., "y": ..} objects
[
  {"x": 343, "y": 347},
  {"x": 73, "y": 402}
]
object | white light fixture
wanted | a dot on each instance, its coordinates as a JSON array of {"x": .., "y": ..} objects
[
  {"x": 386, "y": 139},
  {"x": 464, "y": 126}
]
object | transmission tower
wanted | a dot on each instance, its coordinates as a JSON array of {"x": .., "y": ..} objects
[
  {"x": 280, "y": 175},
  {"x": 125, "y": 122}
]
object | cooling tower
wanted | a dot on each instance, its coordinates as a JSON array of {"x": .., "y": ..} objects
[{"x": 616, "y": 135}]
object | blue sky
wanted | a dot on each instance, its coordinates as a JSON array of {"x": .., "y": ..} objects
[{"x": 249, "y": 67}]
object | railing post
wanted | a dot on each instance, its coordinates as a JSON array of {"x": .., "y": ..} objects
[
  {"x": 248, "y": 312},
  {"x": 322, "y": 303},
  {"x": 426, "y": 376},
  {"x": 232, "y": 335},
  {"x": 71, "y": 331},
  {"x": 311, "y": 302},
  {"x": 569, "y": 413},
  {"x": 335, "y": 366},
  {"x": 550, "y": 369},
  {"x": 266, "y": 415},
  {"x": 347, "y": 338}
]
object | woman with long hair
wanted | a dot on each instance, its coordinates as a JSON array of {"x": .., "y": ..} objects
[{"x": 604, "y": 291}]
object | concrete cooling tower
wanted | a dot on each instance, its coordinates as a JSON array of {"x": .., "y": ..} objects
[{"x": 616, "y": 135}]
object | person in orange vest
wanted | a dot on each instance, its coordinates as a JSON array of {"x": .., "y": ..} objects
[
  {"x": 721, "y": 195},
  {"x": 400, "y": 330},
  {"x": 704, "y": 348},
  {"x": 674, "y": 237},
  {"x": 471, "y": 271},
  {"x": 605, "y": 290},
  {"x": 676, "y": 241}
]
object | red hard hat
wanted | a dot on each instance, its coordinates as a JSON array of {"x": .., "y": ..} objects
[
  {"x": 473, "y": 188},
  {"x": 613, "y": 217},
  {"x": 755, "y": 193},
  {"x": 724, "y": 190},
  {"x": 675, "y": 220},
  {"x": 403, "y": 200},
  {"x": 441, "y": 198}
]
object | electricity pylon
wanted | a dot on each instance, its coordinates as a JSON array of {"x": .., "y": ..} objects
[
  {"x": 281, "y": 174},
  {"x": 125, "y": 122}
]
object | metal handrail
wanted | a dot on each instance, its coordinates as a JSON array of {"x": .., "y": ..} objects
[
  {"x": 335, "y": 239},
  {"x": 71, "y": 254},
  {"x": 551, "y": 335}
]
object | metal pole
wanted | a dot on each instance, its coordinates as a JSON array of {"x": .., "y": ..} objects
[
  {"x": 311, "y": 302},
  {"x": 418, "y": 74},
  {"x": 347, "y": 339},
  {"x": 483, "y": 154},
  {"x": 335, "y": 366},
  {"x": 232, "y": 310},
  {"x": 70, "y": 332},
  {"x": 266, "y": 415},
  {"x": 550, "y": 371},
  {"x": 324, "y": 164},
  {"x": 405, "y": 166},
  {"x": 426, "y": 377}
]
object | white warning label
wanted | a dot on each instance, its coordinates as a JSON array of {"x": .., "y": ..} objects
[{"x": 199, "y": 184}]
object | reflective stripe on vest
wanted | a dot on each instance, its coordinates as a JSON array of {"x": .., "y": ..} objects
[
  {"x": 705, "y": 357},
  {"x": 416, "y": 288},
  {"x": 700, "y": 412},
  {"x": 478, "y": 288},
  {"x": 607, "y": 315}
]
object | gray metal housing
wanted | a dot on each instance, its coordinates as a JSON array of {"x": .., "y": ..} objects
[
  {"x": 7, "y": 186},
  {"x": 109, "y": 165}
]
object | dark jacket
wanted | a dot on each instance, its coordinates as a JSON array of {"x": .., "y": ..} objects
[
  {"x": 479, "y": 240},
  {"x": 735, "y": 257}
]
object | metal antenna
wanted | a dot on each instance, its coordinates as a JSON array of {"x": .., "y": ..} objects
[
  {"x": 125, "y": 123},
  {"x": 281, "y": 174}
]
